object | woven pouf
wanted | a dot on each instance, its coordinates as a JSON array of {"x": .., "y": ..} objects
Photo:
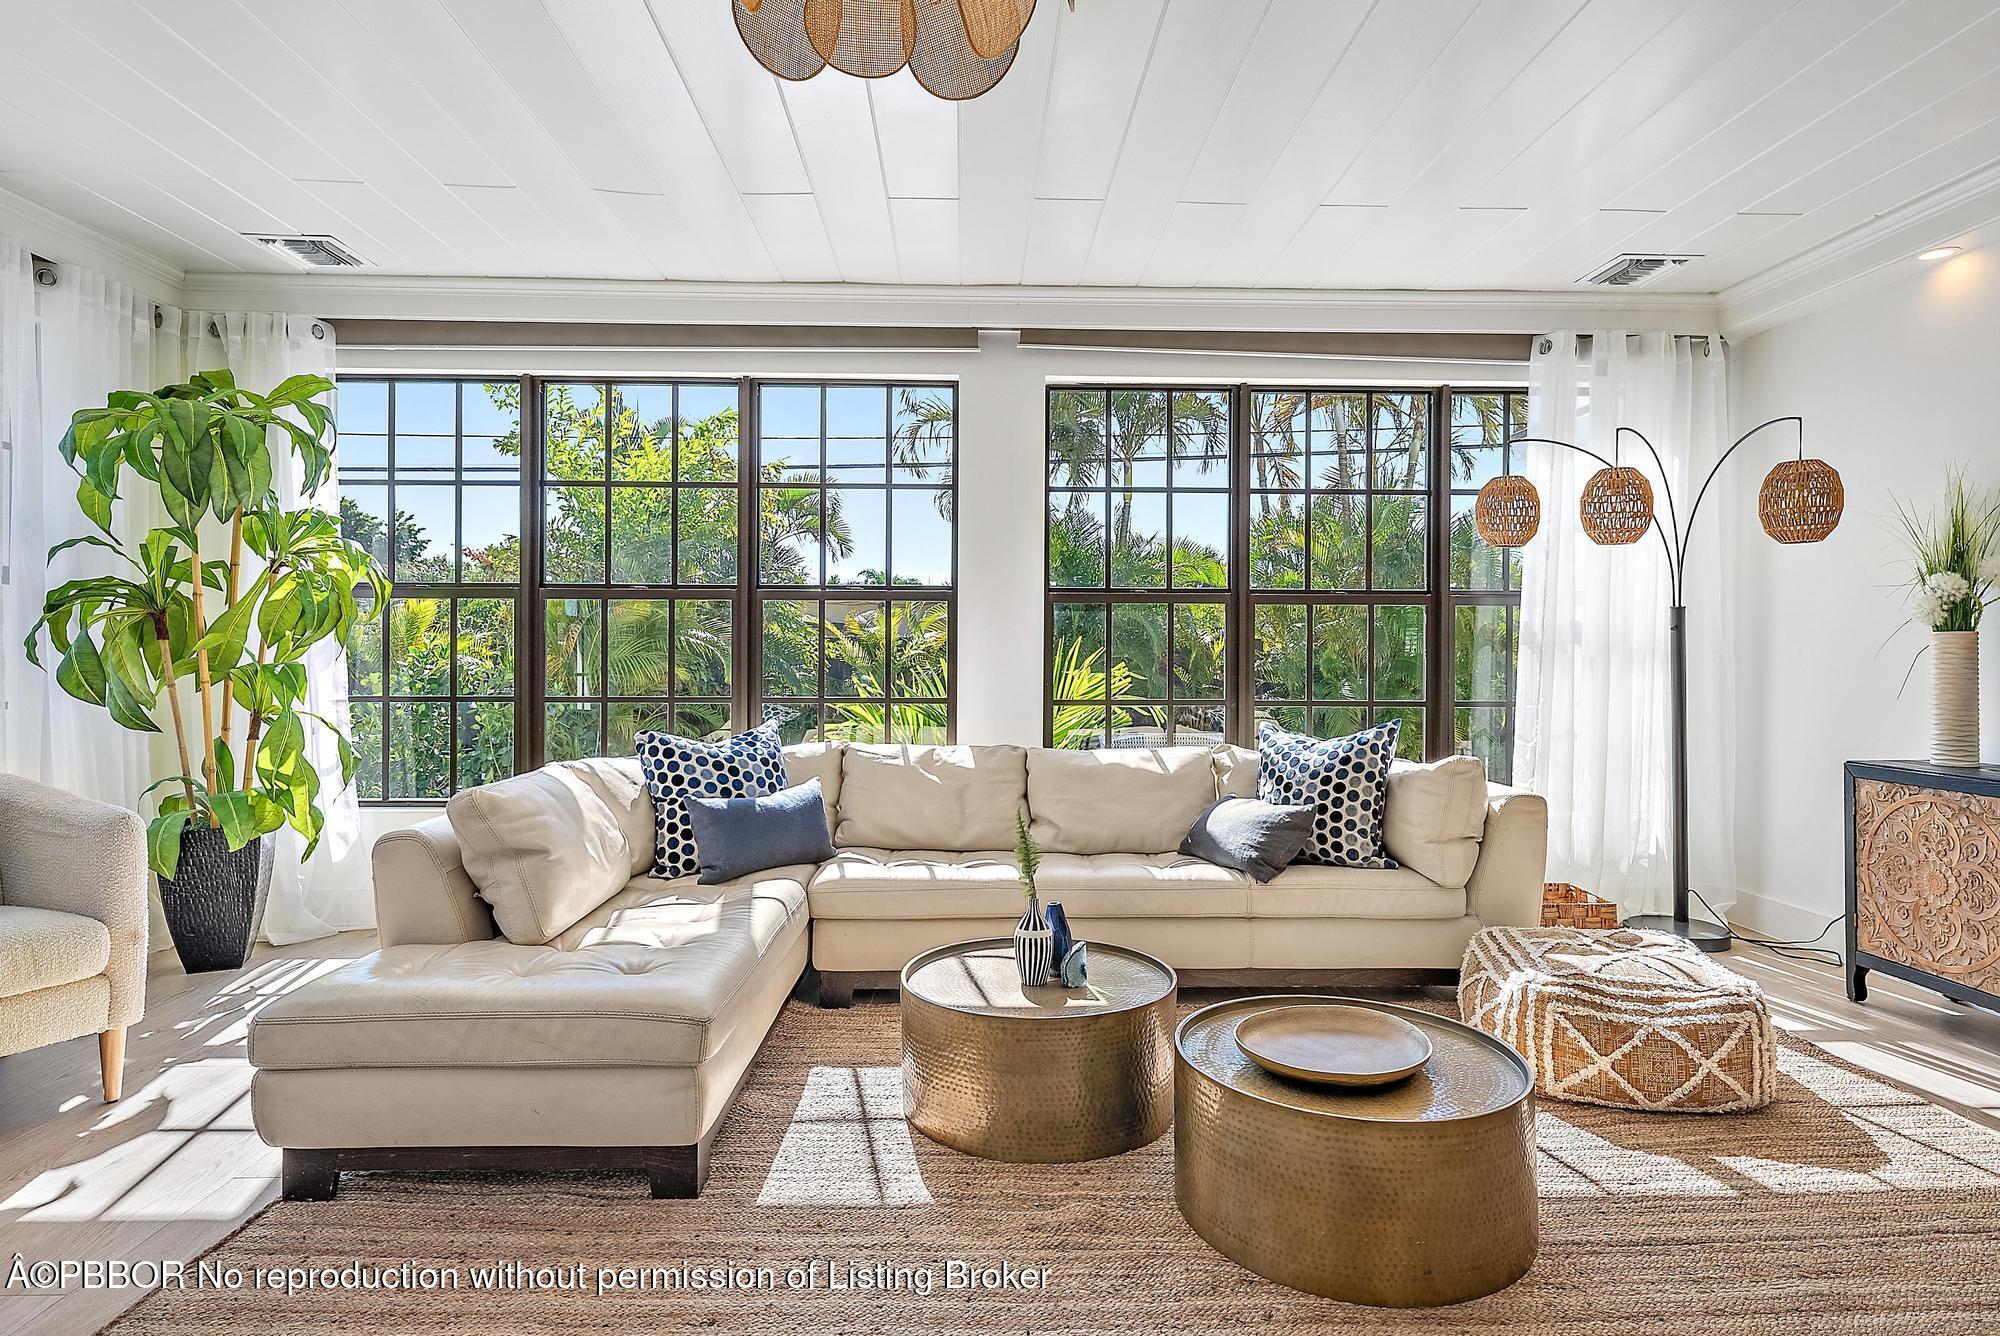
[{"x": 1629, "y": 1019}]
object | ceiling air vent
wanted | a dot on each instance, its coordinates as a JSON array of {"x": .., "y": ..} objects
[
  {"x": 1631, "y": 271},
  {"x": 321, "y": 252}
]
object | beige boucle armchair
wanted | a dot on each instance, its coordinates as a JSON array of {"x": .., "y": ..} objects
[{"x": 73, "y": 918}]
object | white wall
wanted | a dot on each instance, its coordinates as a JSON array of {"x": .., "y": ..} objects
[{"x": 1895, "y": 385}]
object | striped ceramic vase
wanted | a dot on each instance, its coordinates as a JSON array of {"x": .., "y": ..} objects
[{"x": 1034, "y": 946}]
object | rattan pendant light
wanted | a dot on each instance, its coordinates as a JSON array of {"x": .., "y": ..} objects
[
  {"x": 1508, "y": 512},
  {"x": 1801, "y": 501},
  {"x": 1617, "y": 506},
  {"x": 957, "y": 49}
]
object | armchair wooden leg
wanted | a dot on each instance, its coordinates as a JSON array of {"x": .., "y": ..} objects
[{"x": 111, "y": 1059}]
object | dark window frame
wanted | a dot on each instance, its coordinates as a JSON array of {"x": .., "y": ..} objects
[
  {"x": 1439, "y": 601},
  {"x": 824, "y": 592},
  {"x": 532, "y": 593}
]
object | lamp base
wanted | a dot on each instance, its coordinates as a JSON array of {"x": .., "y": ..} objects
[{"x": 1710, "y": 937}]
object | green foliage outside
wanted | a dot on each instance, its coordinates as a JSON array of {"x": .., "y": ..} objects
[{"x": 669, "y": 502}]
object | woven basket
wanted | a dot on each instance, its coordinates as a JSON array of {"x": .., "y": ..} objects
[
  {"x": 1508, "y": 511},
  {"x": 1801, "y": 501},
  {"x": 1567, "y": 906},
  {"x": 1617, "y": 506}
]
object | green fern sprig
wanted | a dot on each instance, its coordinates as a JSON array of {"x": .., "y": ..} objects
[{"x": 1027, "y": 854}]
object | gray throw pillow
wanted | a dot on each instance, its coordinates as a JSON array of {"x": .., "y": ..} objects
[
  {"x": 1250, "y": 835},
  {"x": 735, "y": 837}
]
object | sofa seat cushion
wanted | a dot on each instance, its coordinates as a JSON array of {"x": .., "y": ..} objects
[
  {"x": 1143, "y": 886},
  {"x": 915, "y": 884},
  {"x": 46, "y": 948},
  {"x": 930, "y": 884},
  {"x": 654, "y": 977},
  {"x": 1307, "y": 891}
]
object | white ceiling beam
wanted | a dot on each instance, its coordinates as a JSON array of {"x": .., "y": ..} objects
[{"x": 392, "y": 297}]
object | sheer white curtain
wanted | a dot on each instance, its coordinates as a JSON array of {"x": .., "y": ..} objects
[
  {"x": 1593, "y": 699},
  {"x": 64, "y": 347}
]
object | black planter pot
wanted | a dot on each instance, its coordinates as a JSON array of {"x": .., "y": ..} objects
[{"x": 215, "y": 900}]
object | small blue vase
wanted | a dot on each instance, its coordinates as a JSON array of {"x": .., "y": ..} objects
[{"x": 1059, "y": 925}]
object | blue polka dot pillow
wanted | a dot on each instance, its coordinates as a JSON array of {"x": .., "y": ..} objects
[
  {"x": 1344, "y": 781},
  {"x": 749, "y": 765}
]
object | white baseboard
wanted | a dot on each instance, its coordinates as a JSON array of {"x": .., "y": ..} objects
[{"x": 1783, "y": 920}]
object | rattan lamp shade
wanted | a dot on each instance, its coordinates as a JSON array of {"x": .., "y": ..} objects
[
  {"x": 1801, "y": 501},
  {"x": 1617, "y": 506},
  {"x": 1508, "y": 512},
  {"x": 956, "y": 48}
]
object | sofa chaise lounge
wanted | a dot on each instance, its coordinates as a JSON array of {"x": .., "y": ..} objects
[{"x": 537, "y": 1015}]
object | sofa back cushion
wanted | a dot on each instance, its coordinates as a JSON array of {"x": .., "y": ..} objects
[
  {"x": 1235, "y": 772},
  {"x": 544, "y": 848},
  {"x": 1137, "y": 800},
  {"x": 1434, "y": 816},
  {"x": 949, "y": 798},
  {"x": 806, "y": 761}
]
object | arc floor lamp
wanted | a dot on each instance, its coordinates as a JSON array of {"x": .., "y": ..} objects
[{"x": 1800, "y": 502}]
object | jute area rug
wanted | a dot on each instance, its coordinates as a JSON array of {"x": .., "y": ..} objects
[{"x": 1847, "y": 1206}]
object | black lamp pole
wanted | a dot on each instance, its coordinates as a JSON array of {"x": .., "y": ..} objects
[{"x": 1707, "y": 935}]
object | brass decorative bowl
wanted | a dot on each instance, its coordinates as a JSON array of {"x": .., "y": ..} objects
[{"x": 1333, "y": 1045}]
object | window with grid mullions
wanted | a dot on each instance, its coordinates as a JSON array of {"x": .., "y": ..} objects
[
  {"x": 1139, "y": 565},
  {"x": 1485, "y": 580},
  {"x": 857, "y": 560},
  {"x": 1339, "y": 539},
  {"x": 640, "y": 542},
  {"x": 431, "y": 486}
]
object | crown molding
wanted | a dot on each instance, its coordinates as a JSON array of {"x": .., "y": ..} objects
[
  {"x": 55, "y": 237},
  {"x": 1879, "y": 251},
  {"x": 594, "y": 301}
]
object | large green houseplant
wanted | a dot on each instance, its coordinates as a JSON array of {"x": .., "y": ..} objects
[{"x": 210, "y": 640}]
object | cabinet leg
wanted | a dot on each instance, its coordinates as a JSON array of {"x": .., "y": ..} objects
[{"x": 1857, "y": 983}]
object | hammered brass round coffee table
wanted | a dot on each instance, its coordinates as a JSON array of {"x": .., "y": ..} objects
[
  {"x": 1416, "y": 1193},
  {"x": 1047, "y": 1075}
]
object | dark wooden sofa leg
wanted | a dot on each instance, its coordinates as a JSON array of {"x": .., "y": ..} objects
[
  {"x": 836, "y": 991},
  {"x": 678, "y": 1172},
  {"x": 310, "y": 1175}
]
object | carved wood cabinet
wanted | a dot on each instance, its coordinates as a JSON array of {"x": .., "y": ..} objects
[{"x": 1923, "y": 878}]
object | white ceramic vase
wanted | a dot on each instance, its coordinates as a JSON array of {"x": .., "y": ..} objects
[{"x": 1955, "y": 698}]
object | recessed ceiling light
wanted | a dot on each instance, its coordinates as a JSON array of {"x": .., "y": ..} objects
[{"x": 1940, "y": 253}]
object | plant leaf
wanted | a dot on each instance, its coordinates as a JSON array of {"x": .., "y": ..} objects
[{"x": 163, "y": 841}]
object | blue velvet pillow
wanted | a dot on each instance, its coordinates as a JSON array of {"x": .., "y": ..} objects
[
  {"x": 735, "y": 837},
  {"x": 1249, "y": 835}
]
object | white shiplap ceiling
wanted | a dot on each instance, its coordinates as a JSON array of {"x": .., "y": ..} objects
[{"x": 1296, "y": 144}]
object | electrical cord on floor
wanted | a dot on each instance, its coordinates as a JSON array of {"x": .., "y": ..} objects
[{"x": 1803, "y": 949}]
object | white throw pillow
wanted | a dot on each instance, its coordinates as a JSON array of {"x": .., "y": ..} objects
[
  {"x": 1435, "y": 816},
  {"x": 953, "y": 799},
  {"x": 543, "y": 849},
  {"x": 1138, "y": 800}
]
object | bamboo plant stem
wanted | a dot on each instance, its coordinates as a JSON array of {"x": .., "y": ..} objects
[
  {"x": 200, "y": 629},
  {"x": 235, "y": 574},
  {"x": 174, "y": 700}
]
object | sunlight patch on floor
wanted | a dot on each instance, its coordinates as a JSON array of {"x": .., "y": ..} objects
[{"x": 848, "y": 1144}]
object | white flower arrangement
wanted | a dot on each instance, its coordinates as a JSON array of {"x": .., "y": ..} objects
[{"x": 1955, "y": 554}]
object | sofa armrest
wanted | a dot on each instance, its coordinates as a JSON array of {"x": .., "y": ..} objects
[
  {"x": 62, "y": 852},
  {"x": 1505, "y": 889},
  {"x": 423, "y": 894}
]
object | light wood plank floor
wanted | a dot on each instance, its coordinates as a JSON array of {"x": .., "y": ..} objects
[{"x": 175, "y": 1166}]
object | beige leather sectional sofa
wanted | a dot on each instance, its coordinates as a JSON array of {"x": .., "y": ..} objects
[{"x": 540, "y": 1000}]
